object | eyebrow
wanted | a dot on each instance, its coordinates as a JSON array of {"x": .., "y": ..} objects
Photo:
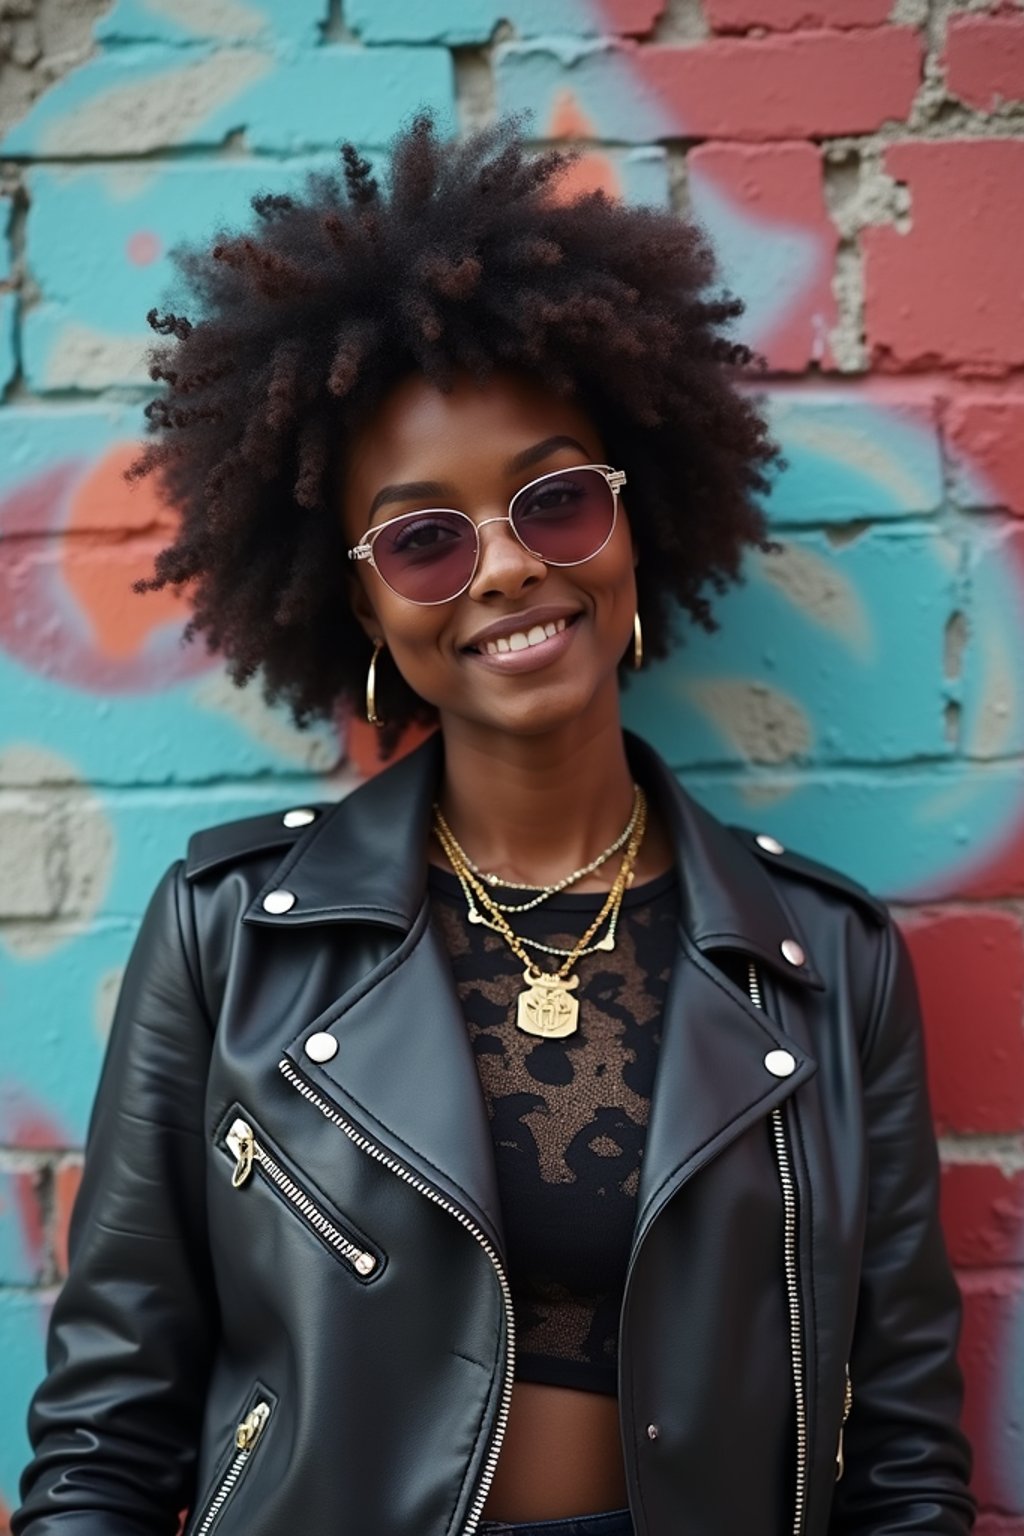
[{"x": 418, "y": 490}]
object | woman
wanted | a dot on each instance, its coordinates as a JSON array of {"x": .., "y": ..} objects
[{"x": 509, "y": 1146}]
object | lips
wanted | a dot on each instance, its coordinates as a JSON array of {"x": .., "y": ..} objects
[
  {"x": 521, "y": 640},
  {"x": 522, "y": 631}
]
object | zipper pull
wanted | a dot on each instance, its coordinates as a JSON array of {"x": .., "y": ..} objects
[
  {"x": 243, "y": 1145},
  {"x": 252, "y": 1426},
  {"x": 847, "y": 1405}
]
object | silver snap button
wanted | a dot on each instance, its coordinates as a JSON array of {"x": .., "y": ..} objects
[
  {"x": 792, "y": 952},
  {"x": 299, "y": 818},
  {"x": 279, "y": 901},
  {"x": 768, "y": 843},
  {"x": 652, "y": 1431},
  {"x": 780, "y": 1063},
  {"x": 321, "y": 1047}
]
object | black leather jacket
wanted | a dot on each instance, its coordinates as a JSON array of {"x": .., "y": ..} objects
[{"x": 287, "y": 1307}]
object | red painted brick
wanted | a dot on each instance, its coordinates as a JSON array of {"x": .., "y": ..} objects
[
  {"x": 970, "y": 970},
  {"x": 984, "y": 59},
  {"x": 804, "y": 86},
  {"x": 787, "y": 15},
  {"x": 990, "y": 1356},
  {"x": 630, "y": 16},
  {"x": 948, "y": 291},
  {"x": 983, "y": 1215},
  {"x": 985, "y": 438},
  {"x": 989, "y": 1523},
  {"x": 779, "y": 187},
  {"x": 65, "y": 1190}
]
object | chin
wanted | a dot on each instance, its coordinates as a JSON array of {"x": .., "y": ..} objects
[{"x": 547, "y": 711}]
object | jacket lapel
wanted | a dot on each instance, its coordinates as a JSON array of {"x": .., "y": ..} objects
[
  {"x": 712, "y": 1080},
  {"x": 404, "y": 1073},
  {"x": 403, "y": 1070}
]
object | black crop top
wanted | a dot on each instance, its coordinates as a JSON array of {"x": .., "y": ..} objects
[{"x": 568, "y": 1116}]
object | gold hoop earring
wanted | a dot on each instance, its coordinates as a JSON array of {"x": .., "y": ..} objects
[
  {"x": 372, "y": 717},
  {"x": 638, "y": 643}
]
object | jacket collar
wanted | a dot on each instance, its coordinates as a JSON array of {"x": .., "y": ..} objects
[{"x": 365, "y": 861}]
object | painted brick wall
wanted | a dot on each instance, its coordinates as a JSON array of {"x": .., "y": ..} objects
[{"x": 860, "y": 164}]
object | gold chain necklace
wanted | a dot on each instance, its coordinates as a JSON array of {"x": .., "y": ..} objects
[
  {"x": 476, "y": 916},
  {"x": 546, "y": 1006},
  {"x": 545, "y": 891}
]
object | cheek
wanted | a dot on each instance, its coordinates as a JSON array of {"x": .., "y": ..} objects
[
  {"x": 613, "y": 571},
  {"x": 414, "y": 637}
]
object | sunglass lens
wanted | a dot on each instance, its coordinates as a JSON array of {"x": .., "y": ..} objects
[
  {"x": 426, "y": 557},
  {"x": 565, "y": 517}
]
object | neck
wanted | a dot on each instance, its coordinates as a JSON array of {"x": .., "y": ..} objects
[{"x": 531, "y": 808}]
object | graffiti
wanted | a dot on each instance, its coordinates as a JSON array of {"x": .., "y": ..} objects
[{"x": 862, "y": 699}]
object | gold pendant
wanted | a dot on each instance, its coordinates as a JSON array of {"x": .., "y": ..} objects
[{"x": 545, "y": 1008}]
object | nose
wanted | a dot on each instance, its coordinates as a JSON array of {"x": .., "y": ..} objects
[{"x": 505, "y": 567}]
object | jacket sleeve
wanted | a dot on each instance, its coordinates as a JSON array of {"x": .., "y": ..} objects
[
  {"x": 115, "y": 1423},
  {"x": 907, "y": 1462}
]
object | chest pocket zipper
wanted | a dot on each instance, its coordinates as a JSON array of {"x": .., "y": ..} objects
[
  {"x": 247, "y": 1436},
  {"x": 250, "y": 1154}
]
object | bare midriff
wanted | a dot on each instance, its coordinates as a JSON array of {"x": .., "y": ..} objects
[{"x": 561, "y": 1455}]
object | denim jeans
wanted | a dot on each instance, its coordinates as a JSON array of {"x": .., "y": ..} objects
[{"x": 611, "y": 1522}]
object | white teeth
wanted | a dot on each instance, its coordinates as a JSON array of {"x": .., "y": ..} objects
[{"x": 522, "y": 640}]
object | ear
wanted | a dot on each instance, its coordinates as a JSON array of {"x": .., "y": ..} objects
[{"x": 362, "y": 607}]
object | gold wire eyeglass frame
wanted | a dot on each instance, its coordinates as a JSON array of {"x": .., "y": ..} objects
[{"x": 616, "y": 479}]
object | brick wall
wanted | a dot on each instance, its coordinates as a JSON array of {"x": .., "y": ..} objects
[{"x": 860, "y": 164}]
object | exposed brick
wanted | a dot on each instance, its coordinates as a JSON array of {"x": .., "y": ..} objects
[
  {"x": 933, "y": 832},
  {"x": 130, "y": 101},
  {"x": 855, "y": 454},
  {"x": 990, "y": 1355},
  {"x": 970, "y": 970},
  {"x": 991, "y": 1523},
  {"x": 134, "y": 21},
  {"x": 984, "y": 434},
  {"x": 96, "y": 628},
  {"x": 48, "y": 454},
  {"x": 818, "y": 659},
  {"x": 22, "y": 1226},
  {"x": 992, "y": 685},
  {"x": 764, "y": 208},
  {"x": 948, "y": 290},
  {"x": 8, "y": 357},
  {"x": 787, "y": 15},
  {"x": 807, "y": 85},
  {"x": 983, "y": 1215},
  {"x": 23, "y": 1319},
  {"x": 984, "y": 59},
  {"x": 65, "y": 1190},
  {"x": 461, "y": 22}
]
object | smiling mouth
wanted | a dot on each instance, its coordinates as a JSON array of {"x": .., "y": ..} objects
[{"x": 523, "y": 639}]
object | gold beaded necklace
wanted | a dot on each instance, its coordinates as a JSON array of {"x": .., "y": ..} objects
[{"x": 546, "y": 1006}]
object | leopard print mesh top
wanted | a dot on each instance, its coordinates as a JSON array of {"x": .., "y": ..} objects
[{"x": 568, "y": 1117}]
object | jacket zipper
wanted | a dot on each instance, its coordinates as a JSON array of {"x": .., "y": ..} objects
[
  {"x": 248, "y": 1153},
  {"x": 847, "y": 1405},
  {"x": 796, "y": 1345},
  {"x": 247, "y": 1437},
  {"x": 364, "y": 1143}
]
